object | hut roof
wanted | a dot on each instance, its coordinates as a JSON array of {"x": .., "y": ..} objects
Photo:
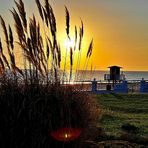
[{"x": 114, "y": 66}]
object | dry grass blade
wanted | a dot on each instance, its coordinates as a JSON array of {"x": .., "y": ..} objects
[
  {"x": 38, "y": 34},
  {"x": 47, "y": 50},
  {"x": 18, "y": 26},
  {"x": 41, "y": 41},
  {"x": 89, "y": 52},
  {"x": 40, "y": 44},
  {"x": 67, "y": 21},
  {"x": 76, "y": 36},
  {"x": 71, "y": 56},
  {"x": 18, "y": 70},
  {"x": 59, "y": 55},
  {"x": 15, "y": 69},
  {"x": 5, "y": 30},
  {"x": 12, "y": 58},
  {"x": 3, "y": 56},
  {"x": 50, "y": 43},
  {"x": 55, "y": 60},
  {"x": 22, "y": 13},
  {"x": 29, "y": 47},
  {"x": 47, "y": 7},
  {"x": 71, "y": 63},
  {"x": 40, "y": 9},
  {"x": 45, "y": 15},
  {"x": 5, "y": 60},
  {"x": 11, "y": 38},
  {"x": 51, "y": 47},
  {"x": 40, "y": 70},
  {"x": 53, "y": 21},
  {"x": 82, "y": 28},
  {"x": 35, "y": 46},
  {"x": 1, "y": 48},
  {"x": 33, "y": 34},
  {"x": 29, "y": 58},
  {"x": 2, "y": 66},
  {"x": 41, "y": 50},
  {"x": 43, "y": 64},
  {"x": 5, "y": 33},
  {"x": 81, "y": 33},
  {"x": 49, "y": 12},
  {"x": 80, "y": 39}
]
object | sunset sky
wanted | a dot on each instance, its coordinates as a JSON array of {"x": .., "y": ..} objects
[{"x": 119, "y": 28}]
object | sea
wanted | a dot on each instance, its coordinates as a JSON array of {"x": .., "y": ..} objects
[
  {"x": 88, "y": 75},
  {"x": 129, "y": 75}
]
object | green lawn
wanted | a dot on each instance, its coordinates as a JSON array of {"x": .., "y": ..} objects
[{"x": 119, "y": 109}]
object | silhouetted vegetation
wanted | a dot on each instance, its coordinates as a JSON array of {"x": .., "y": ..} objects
[
  {"x": 33, "y": 98},
  {"x": 29, "y": 114}
]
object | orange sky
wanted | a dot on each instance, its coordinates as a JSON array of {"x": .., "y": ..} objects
[{"x": 119, "y": 29}]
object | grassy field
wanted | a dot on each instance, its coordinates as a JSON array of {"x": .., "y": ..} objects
[{"x": 120, "y": 109}]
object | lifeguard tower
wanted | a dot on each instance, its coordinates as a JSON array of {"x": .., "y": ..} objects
[
  {"x": 114, "y": 75},
  {"x": 119, "y": 84}
]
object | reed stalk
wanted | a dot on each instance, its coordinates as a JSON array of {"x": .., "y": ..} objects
[
  {"x": 33, "y": 49},
  {"x": 30, "y": 111},
  {"x": 81, "y": 32},
  {"x": 88, "y": 55}
]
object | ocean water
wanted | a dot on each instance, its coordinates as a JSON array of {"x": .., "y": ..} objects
[{"x": 129, "y": 75}]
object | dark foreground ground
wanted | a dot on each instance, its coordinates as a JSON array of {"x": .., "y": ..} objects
[{"x": 28, "y": 116}]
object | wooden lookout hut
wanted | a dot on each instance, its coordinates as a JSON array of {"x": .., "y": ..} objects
[{"x": 114, "y": 74}]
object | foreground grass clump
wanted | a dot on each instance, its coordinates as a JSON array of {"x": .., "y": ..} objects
[
  {"x": 29, "y": 114},
  {"x": 35, "y": 105},
  {"x": 36, "y": 109},
  {"x": 121, "y": 110}
]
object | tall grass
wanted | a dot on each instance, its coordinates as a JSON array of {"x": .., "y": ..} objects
[
  {"x": 34, "y": 52},
  {"x": 34, "y": 102}
]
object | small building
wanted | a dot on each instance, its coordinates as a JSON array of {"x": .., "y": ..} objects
[
  {"x": 114, "y": 74},
  {"x": 116, "y": 82}
]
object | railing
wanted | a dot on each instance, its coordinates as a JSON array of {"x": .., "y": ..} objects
[
  {"x": 100, "y": 86},
  {"x": 104, "y": 81},
  {"x": 116, "y": 77}
]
